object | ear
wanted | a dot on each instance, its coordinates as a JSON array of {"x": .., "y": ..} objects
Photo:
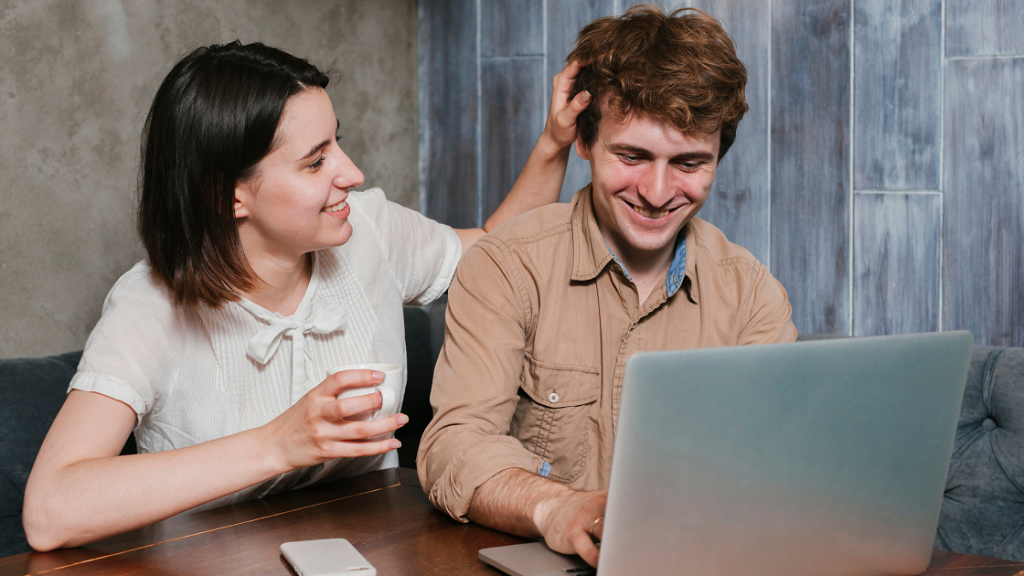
[
  {"x": 243, "y": 198},
  {"x": 582, "y": 150}
]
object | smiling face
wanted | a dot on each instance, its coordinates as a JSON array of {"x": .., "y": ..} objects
[
  {"x": 296, "y": 201},
  {"x": 649, "y": 180}
]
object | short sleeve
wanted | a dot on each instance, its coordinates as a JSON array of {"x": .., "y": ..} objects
[
  {"x": 133, "y": 348},
  {"x": 422, "y": 253}
]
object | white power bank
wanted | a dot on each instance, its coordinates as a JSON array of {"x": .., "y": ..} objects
[{"x": 330, "y": 557}]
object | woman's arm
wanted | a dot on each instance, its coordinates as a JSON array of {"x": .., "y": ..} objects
[
  {"x": 541, "y": 179},
  {"x": 80, "y": 490}
]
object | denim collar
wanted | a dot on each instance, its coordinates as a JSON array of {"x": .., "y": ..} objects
[{"x": 676, "y": 270}]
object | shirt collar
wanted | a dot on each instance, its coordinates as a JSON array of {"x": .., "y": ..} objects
[
  {"x": 677, "y": 270},
  {"x": 590, "y": 254}
]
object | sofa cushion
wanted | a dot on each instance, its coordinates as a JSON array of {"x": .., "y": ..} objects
[
  {"x": 983, "y": 508},
  {"x": 33, "y": 390},
  {"x": 424, "y": 331}
]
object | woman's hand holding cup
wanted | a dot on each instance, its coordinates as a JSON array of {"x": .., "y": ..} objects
[
  {"x": 390, "y": 388},
  {"x": 330, "y": 421}
]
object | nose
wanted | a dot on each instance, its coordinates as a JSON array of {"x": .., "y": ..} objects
[
  {"x": 656, "y": 185},
  {"x": 347, "y": 175}
]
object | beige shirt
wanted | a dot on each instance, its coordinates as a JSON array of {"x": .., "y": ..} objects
[{"x": 541, "y": 320}]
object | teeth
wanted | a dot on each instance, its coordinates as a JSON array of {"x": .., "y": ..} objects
[
  {"x": 650, "y": 213},
  {"x": 339, "y": 206}
]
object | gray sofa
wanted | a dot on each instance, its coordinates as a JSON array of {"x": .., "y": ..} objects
[
  {"x": 983, "y": 508},
  {"x": 982, "y": 513}
]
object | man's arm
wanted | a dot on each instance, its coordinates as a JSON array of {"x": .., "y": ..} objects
[
  {"x": 522, "y": 503},
  {"x": 476, "y": 381},
  {"x": 469, "y": 465}
]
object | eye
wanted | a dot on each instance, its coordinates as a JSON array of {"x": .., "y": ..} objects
[
  {"x": 318, "y": 163},
  {"x": 630, "y": 158},
  {"x": 690, "y": 166},
  {"x": 337, "y": 138}
]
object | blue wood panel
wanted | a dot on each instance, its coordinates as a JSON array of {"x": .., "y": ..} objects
[
  {"x": 811, "y": 160},
  {"x": 448, "y": 111},
  {"x": 511, "y": 27},
  {"x": 512, "y": 90},
  {"x": 740, "y": 201},
  {"x": 665, "y": 5},
  {"x": 983, "y": 243},
  {"x": 984, "y": 27},
  {"x": 565, "y": 18},
  {"x": 896, "y": 267},
  {"x": 897, "y": 94}
]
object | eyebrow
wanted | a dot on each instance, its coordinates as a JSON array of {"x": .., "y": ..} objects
[
  {"x": 321, "y": 145},
  {"x": 699, "y": 156}
]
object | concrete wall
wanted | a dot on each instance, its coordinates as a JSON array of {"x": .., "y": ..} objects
[{"x": 76, "y": 83}]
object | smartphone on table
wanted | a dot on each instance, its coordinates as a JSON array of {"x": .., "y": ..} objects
[{"x": 330, "y": 557}]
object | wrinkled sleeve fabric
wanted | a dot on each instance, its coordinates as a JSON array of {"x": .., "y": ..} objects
[
  {"x": 476, "y": 381},
  {"x": 422, "y": 253},
  {"x": 133, "y": 349},
  {"x": 768, "y": 311}
]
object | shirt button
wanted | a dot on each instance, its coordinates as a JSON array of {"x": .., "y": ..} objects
[{"x": 553, "y": 397}]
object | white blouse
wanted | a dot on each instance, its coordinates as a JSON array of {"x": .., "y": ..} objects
[{"x": 194, "y": 375}]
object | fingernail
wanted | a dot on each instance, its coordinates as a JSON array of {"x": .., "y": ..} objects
[
  {"x": 402, "y": 419},
  {"x": 585, "y": 96},
  {"x": 395, "y": 444},
  {"x": 377, "y": 375}
]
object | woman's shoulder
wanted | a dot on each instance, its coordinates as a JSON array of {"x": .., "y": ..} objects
[
  {"x": 388, "y": 223},
  {"x": 375, "y": 206},
  {"x": 139, "y": 293},
  {"x": 372, "y": 202},
  {"x": 140, "y": 286},
  {"x": 136, "y": 343}
]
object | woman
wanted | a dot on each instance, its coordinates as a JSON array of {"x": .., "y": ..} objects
[{"x": 264, "y": 270}]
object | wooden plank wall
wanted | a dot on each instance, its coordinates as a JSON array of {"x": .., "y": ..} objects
[
  {"x": 879, "y": 172},
  {"x": 448, "y": 99},
  {"x": 564, "y": 21},
  {"x": 897, "y": 150}
]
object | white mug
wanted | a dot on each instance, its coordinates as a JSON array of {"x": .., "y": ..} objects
[{"x": 390, "y": 389}]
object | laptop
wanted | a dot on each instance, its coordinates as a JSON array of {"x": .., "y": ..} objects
[{"x": 817, "y": 458}]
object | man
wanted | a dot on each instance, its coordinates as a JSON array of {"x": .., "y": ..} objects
[{"x": 545, "y": 311}]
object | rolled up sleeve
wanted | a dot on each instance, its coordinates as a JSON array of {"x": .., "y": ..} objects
[{"x": 476, "y": 381}]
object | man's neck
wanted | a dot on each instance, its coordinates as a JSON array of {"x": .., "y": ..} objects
[{"x": 646, "y": 268}]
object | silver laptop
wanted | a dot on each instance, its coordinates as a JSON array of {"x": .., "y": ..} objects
[{"x": 814, "y": 458}]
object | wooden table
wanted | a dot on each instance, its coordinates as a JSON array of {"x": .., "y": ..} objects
[{"x": 384, "y": 514}]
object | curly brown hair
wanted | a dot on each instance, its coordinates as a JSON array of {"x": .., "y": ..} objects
[{"x": 680, "y": 67}]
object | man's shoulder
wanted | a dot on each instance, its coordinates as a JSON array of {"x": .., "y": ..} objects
[
  {"x": 546, "y": 223},
  {"x": 711, "y": 243}
]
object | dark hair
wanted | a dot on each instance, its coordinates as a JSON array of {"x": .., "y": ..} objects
[
  {"x": 212, "y": 120},
  {"x": 681, "y": 67}
]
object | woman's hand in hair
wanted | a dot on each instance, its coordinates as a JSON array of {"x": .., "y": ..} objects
[
  {"x": 561, "y": 123},
  {"x": 541, "y": 179},
  {"x": 319, "y": 427}
]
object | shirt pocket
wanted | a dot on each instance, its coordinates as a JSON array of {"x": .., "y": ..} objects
[{"x": 552, "y": 418}]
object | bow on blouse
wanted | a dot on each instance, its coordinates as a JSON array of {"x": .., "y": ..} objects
[{"x": 264, "y": 343}]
